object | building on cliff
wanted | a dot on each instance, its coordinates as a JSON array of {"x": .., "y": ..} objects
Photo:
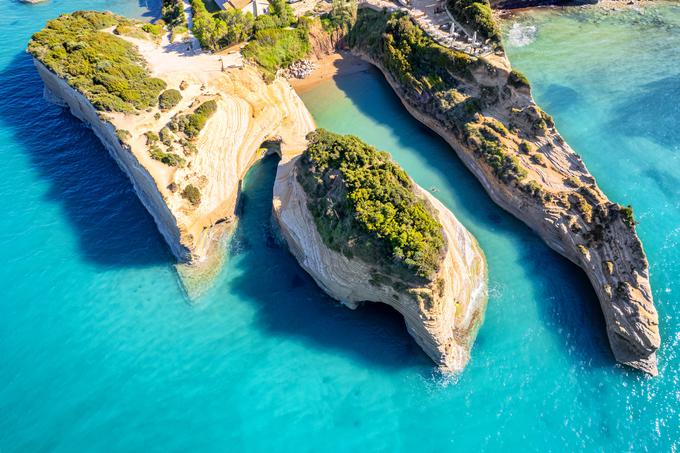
[{"x": 255, "y": 7}]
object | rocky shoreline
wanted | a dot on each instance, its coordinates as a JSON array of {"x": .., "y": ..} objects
[
  {"x": 443, "y": 318},
  {"x": 252, "y": 119},
  {"x": 58, "y": 91},
  {"x": 598, "y": 239},
  {"x": 248, "y": 114}
]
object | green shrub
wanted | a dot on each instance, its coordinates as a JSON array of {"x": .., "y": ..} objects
[
  {"x": 364, "y": 205},
  {"x": 517, "y": 79},
  {"x": 132, "y": 30},
  {"x": 264, "y": 21},
  {"x": 105, "y": 68},
  {"x": 192, "y": 124},
  {"x": 572, "y": 181},
  {"x": 478, "y": 16},
  {"x": 167, "y": 158},
  {"x": 172, "y": 13},
  {"x": 151, "y": 137},
  {"x": 220, "y": 30},
  {"x": 627, "y": 215},
  {"x": 408, "y": 53},
  {"x": 123, "y": 135},
  {"x": 156, "y": 29},
  {"x": 526, "y": 147},
  {"x": 192, "y": 194},
  {"x": 238, "y": 27},
  {"x": 488, "y": 145},
  {"x": 276, "y": 48},
  {"x": 166, "y": 136},
  {"x": 532, "y": 188},
  {"x": 342, "y": 15},
  {"x": 497, "y": 126},
  {"x": 538, "y": 159},
  {"x": 169, "y": 99},
  {"x": 282, "y": 13}
]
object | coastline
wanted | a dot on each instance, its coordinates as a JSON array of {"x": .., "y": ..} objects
[
  {"x": 602, "y": 5},
  {"x": 633, "y": 336},
  {"x": 248, "y": 113},
  {"x": 331, "y": 66},
  {"x": 444, "y": 321}
]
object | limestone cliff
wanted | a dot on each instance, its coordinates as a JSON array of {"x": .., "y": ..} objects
[
  {"x": 249, "y": 112},
  {"x": 486, "y": 113},
  {"x": 442, "y": 316}
]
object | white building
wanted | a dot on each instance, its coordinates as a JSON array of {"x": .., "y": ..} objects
[{"x": 255, "y": 7}]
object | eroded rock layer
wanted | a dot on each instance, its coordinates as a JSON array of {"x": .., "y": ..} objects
[
  {"x": 248, "y": 113},
  {"x": 485, "y": 111},
  {"x": 442, "y": 316}
]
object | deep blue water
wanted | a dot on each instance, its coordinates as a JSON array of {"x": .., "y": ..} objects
[{"x": 101, "y": 351}]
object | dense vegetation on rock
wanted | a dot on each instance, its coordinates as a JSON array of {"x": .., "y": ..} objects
[
  {"x": 192, "y": 194},
  {"x": 342, "y": 15},
  {"x": 192, "y": 124},
  {"x": 477, "y": 15},
  {"x": 222, "y": 29},
  {"x": 489, "y": 146},
  {"x": 274, "y": 44},
  {"x": 173, "y": 13},
  {"x": 105, "y": 68},
  {"x": 364, "y": 205},
  {"x": 517, "y": 79},
  {"x": 414, "y": 58},
  {"x": 434, "y": 78},
  {"x": 169, "y": 98},
  {"x": 276, "y": 48}
]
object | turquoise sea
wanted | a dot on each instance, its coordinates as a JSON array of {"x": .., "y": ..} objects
[{"x": 100, "y": 350}]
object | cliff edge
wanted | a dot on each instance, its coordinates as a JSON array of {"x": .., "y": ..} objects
[
  {"x": 442, "y": 313},
  {"x": 186, "y": 153},
  {"x": 485, "y": 111}
]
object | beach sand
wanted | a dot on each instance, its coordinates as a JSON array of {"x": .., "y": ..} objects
[{"x": 331, "y": 66}]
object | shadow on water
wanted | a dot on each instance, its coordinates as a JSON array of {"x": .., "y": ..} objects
[
  {"x": 560, "y": 97},
  {"x": 289, "y": 302},
  {"x": 98, "y": 200},
  {"x": 152, "y": 7},
  {"x": 653, "y": 121},
  {"x": 567, "y": 301}
]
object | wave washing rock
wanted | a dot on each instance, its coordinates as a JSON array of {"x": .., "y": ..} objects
[
  {"x": 248, "y": 113},
  {"x": 443, "y": 316},
  {"x": 485, "y": 111}
]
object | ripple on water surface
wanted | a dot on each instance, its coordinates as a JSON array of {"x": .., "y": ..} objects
[{"x": 101, "y": 352}]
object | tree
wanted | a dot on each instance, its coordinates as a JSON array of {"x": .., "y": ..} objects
[
  {"x": 343, "y": 12},
  {"x": 283, "y": 12}
]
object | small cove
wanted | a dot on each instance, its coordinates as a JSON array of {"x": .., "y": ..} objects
[{"x": 101, "y": 350}]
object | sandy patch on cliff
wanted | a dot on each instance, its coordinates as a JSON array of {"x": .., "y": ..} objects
[{"x": 249, "y": 112}]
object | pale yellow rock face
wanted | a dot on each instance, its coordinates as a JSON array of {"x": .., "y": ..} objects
[
  {"x": 597, "y": 239},
  {"x": 442, "y": 317},
  {"x": 249, "y": 112}
]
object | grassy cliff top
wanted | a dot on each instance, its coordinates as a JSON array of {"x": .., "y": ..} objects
[
  {"x": 108, "y": 70},
  {"x": 364, "y": 205},
  {"x": 417, "y": 61}
]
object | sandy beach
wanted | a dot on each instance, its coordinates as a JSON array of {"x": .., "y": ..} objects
[{"x": 334, "y": 65}]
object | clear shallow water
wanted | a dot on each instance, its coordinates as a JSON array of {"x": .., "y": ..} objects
[{"x": 101, "y": 352}]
